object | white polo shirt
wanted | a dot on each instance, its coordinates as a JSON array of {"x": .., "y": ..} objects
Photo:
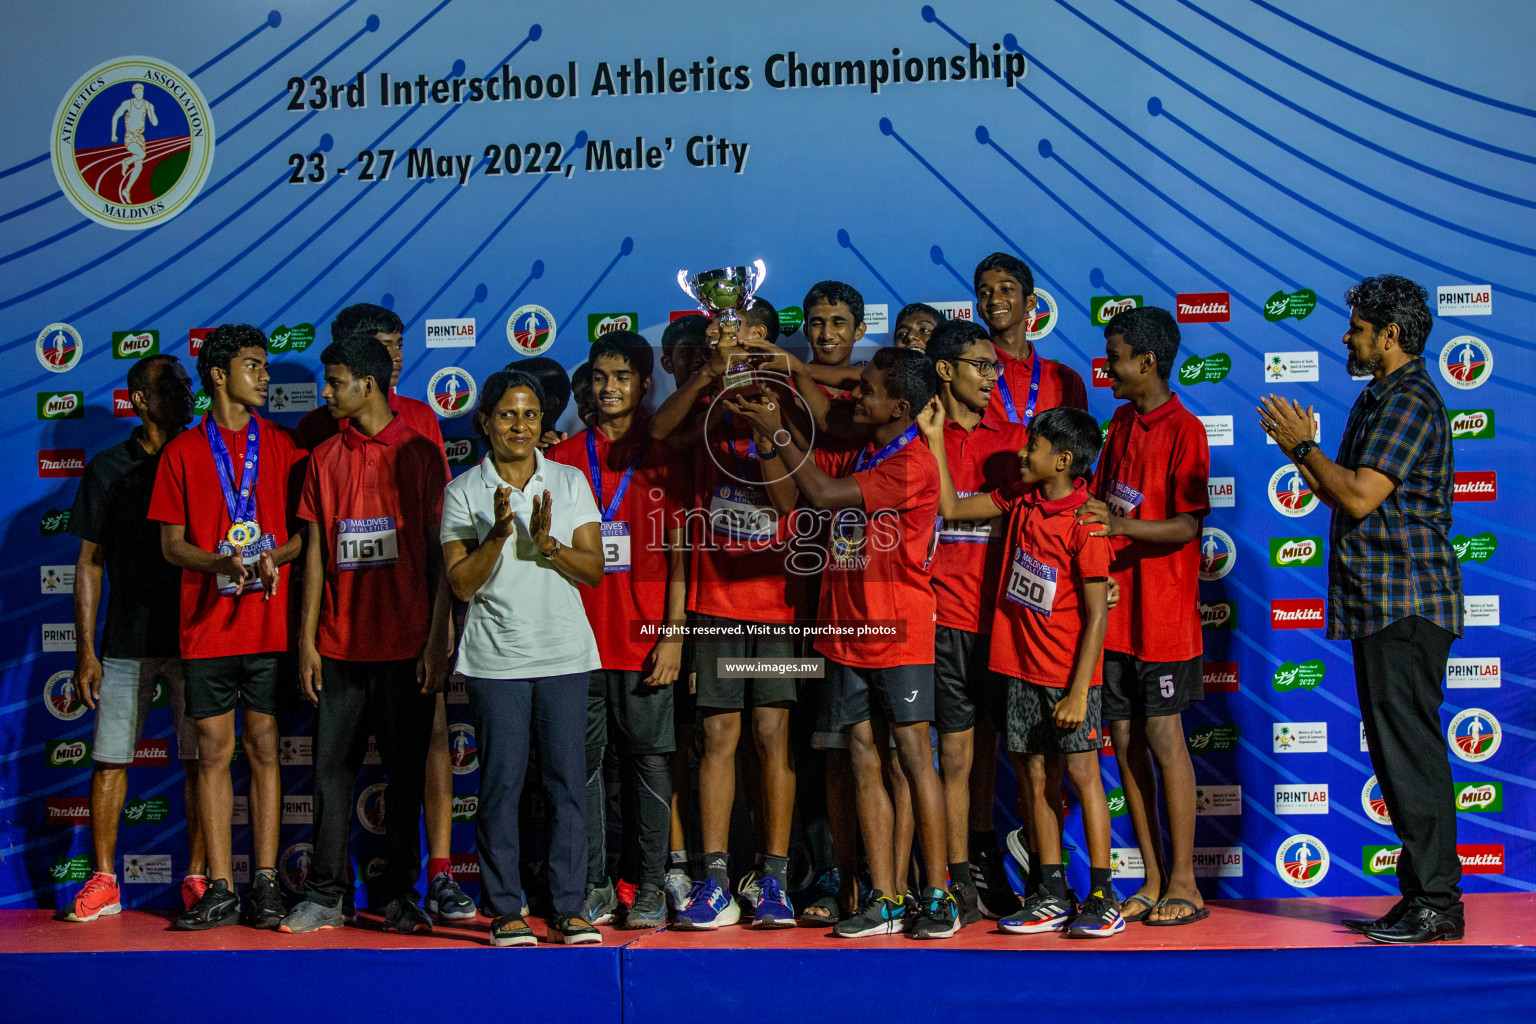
[{"x": 527, "y": 621}]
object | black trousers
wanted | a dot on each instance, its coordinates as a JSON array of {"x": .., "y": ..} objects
[
  {"x": 1397, "y": 676},
  {"x": 358, "y": 698}
]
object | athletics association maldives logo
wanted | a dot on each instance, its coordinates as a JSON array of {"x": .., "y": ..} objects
[
  {"x": 1302, "y": 861},
  {"x": 1041, "y": 320},
  {"x": 531, "y": 330},
  {"x": 1374, "y": 803},
  {"x": 59, "y": 348},
  {"x": 1289, "y": 492},
  {"x": 1474, "y": 735},
  {"x": 133, "y": 143},
  {"x": 1217, "y": 554},
  {"x": 61, "y": 698},
  {"x": 463, "y": 755},
  {"x": 451, "y": 392},
  {"x": 293, "y": 866},
  {"x": 370, "y": 808},
  {"x": 1466, "y": 362}
]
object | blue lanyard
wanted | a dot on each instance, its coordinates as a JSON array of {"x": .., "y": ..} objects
[
  {"x": 243, "y": 507},
  {"x": 1034, "y": 392},
  {"x": 741, "y": 468},
  {"x": 867, "y": 461},
  {"x": 597, "y": 475}
]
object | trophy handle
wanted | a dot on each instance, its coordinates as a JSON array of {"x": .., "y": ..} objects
[
  {"x": 755, "y": 275},
  {"x": 685, "y": 282}
]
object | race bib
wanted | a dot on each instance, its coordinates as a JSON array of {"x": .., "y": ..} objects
[
  {"x": 965, "y": 531},
  {"x": 366, "y": 543},
  {"x": 615, "y": 547},
  {"x": 1122, "y": 499},
  {"x": 1031, "y": 583},
  {"x": 846, "y": 544},
  {"x": 249, "y": 554},
  {"x": 743, "y": 513}
]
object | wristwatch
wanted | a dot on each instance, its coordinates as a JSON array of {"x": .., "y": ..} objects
[
  {"x": 1302, "y": 450},
  {"x": 550, "y": 554},
  {"x": 767, "y": 453}
]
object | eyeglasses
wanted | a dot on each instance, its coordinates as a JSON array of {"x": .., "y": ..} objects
[{"x": 985, "y": 367}]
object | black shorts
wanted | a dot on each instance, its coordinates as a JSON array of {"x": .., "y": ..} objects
[
  {"x": 216, "y": 685},
  {"x": 732, "y": 694},
  {"x": 963, "y": 685},
  {"x": 901, "y": 695},
  {"x": 624, "y": 711},
  {"x": 1032, "y": 727},
  {"x": 684, "y": 691},
  {"x": 1149, "y": 689}
]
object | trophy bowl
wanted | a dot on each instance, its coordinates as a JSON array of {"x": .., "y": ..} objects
[{"x": 722, "y": 294}]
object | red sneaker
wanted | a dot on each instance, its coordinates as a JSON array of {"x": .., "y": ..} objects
[
  {"x": 96, "y": 897},
  {"x": 626, "y": 892},
  {"x": 192, "y": 889}
]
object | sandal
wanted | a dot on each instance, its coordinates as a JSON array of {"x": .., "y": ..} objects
[
  {"x": 824, "y": 913},
  {"x": 573, "y": 930},
  {"x": 1197, "y": 913},
  {"x": 1147, "y": 903}
]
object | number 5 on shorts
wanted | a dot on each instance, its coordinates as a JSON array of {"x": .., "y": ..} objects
[{"x": 1165, "y": 685}]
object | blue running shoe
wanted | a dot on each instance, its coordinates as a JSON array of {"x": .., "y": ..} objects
[
  {"x": 710, "y": 906},
  {"x": 773, "y": 909},
  {"x": 1042, "y": 913}
]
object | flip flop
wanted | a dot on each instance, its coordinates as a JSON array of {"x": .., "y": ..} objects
[
  {"x": 834, "y": 913},
  {"x": 1139, "y": 915},
  {"x": 1199, "y": 913}
]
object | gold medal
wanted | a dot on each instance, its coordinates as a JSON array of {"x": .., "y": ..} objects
[{"x": 244, "y": 533}]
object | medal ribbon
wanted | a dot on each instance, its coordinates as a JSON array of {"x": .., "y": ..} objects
[
  {"x": 243, "y": 506},
  {"x": 1034, "y": 392},
  {"x": 597, "y": 475},
  {"x": 741, "y": 467},
  {"x": 867, "y": 461}
]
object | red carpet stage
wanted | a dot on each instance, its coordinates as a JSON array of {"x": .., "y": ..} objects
[{"x": 1253, "y": 960}]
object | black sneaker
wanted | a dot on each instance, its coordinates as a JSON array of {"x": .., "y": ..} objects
[
  {"x": 965, "y": 899},
  {"x": 264, "y": 907},
  {"x": 994, "y": 893},
  {"x": 405, "y": 916},
  {"x": 880, "y": 915},
  {"x": 217, "y": 907},
  {"x": 938, "y": 915}
]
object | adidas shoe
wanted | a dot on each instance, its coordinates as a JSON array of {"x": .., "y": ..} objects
[
  {"x": 1097, "y": 918},
  {"x": 1041, "y": 913},
  {"x": 773, "y": 909},
  {"x": 710, "y": 906},
  {"x": 994, "y": 891},
  {"x": 677, "y": 886}
]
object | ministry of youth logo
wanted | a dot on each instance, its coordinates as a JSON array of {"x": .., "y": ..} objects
[
  {"x": 1289, "y": 492},
  {"x": 132, "y": 143}
]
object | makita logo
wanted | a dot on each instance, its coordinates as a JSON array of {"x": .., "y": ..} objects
[
  {"x": 1100, "y": 375},
  {"x": 68, "y": 810},
  {"x": 466, "y": 866},
  {"x": 1481, "y": 858},
  {"x": 122, "y": 404},
  {"x": 1481, "y": 486},
  {"x": 1204, "y": 308},
  {"x": 52, "y": 462},
  {"x": 152, "y": 751},
  {"x": 1296, "y": 614},
  {"x": 1219, "y": 676}
]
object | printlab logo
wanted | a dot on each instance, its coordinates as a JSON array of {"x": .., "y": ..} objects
[
  {"x": 1292, "y": 552},
  {"x": 1374, "y": 804},
  {"x": 1218, "y": 862},
  {"x": 1222, "y": 491},
  {"x": 290, "y": 339},
  {"x": 463, "y": 755},
  {"x": 59, "y": 347},
  {"x": 61, "y": 698},
  {"x": 1041, "y": 320},
  {"x": 1301, "y": 798},
  {"x": 451, "y": 392},
  {"x": 1471, "y": 424},
  {"x": 599, "y": 324},
  {"x": 1474, "y": 735},
  {"x": 1290, "y": 676},
  {"x": 1474, "y": 673},
  {"x": 1290, "y": 367},
  {"x": 455, "y": 333},
  {"x": 1481, "y": 485},
  {"x": 1209, "y": 369},
  {"x": 1218, "y": 554},
  {"x": 370, "y": 808},
  {"x": 1466, "y": 362},
  {"x": 58, "y": 637},
  {"x": 61, "y": 405},
  {"x": 298, "y": 809},
  {"x": 132, "y": 143},
  {"x": 1302, "y": 861},
  {"x": 1289, "y": 493},
  {"x": 531, "y": 330},
  {"x": 1298, "y": 304},
  {"x": 1105, "y": 307},
  {"x": 293, "y": 866},
  {"x": 135, "y": 344},
  {"x": 1464, "y": 300},
  {"x": 1204, "y": 307},
  {"x": 1218, "y": 615}
]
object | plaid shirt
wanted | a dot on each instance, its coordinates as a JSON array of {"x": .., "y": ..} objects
[{"x": 1398, "y": 560}]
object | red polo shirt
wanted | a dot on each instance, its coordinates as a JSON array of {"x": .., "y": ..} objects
[
  {"x": 188, "y": 493},
  {"x": 1155, "y": 467},
  {"x": 1060, "y": 386},
  {"x": 319, "y": 425},
  {"x": 736, "y": 572},
  {"x": 877, "y": 557},
  {"x": 652, "y": 504},
  {"x": 1039, "y": 621},
  {"x": 380, "y": 608},
  {"x": 969, "y": 558}
]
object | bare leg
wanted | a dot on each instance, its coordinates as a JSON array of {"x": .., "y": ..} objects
[
  {"x": 876, "y": 815},
  {"x": 1083, "y": 769},
  {"x": 216, "y": 747},
  {"x": 260, "y": 739},
  {"x": 109, "y": 788},
  {"x": 1165, "y": 735},
  {"x": 904, "y": 825},
  {"x": 956, "y": 756},
  {"x": 437, "y": 797},
  {"x": 770, "y": 731},
  {"x": 916, "y": 754},
  {"x": 197, "y": 860},
  {"x": 717, "y": 777},
  {"x": 1138, "y": 780}
]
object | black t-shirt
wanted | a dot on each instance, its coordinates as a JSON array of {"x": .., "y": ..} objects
[{"x": 112, "y": 509}]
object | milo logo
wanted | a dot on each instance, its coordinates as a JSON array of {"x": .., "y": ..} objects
[
  {"x": 1306, "y": 676},
  {"x": 1218, "y": 615},
  {"x": 1477, "y": 548},
  {"x": 1206, "y": 369},
  {"x": 599, "y": 324},
  {"x": 135, "y": 344},
  {"x": 1380, "y": 860},
  {"x": 1471, "y": 424},
  {"x": 291, "y": 339},
  {"x": 1116, "y": 798},
  {"x": 61, "y": 405},
  {"x": 54, "y": 522},
  {"x": 1291, "y": 552},
  {"x": 460, "y": 451},
  {"x": 465, "y": 808},
  {"x": 70, "y": 869},
  {"x": 1298, "y": 304},
  {"x": 1213, "y": 739},
  {"x": 1105, "y": 307},
  {"x": 1479, "y": 796},
  {"x": 146, "y": 812},
  {"x": 68, "y": 753}
]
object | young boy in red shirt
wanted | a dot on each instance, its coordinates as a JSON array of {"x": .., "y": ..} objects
[
  {"x": 630, "y": 699},
  {"x": 373, "y": 500},
  {"x": 883, "y": 496},
  {"x": 1027, "y": 384},
  {"x": 915, "y": 324},
  {"x": 223, "y": 495},
  {"x": 1048, "y": 640},
  {"x": 1151, "y": 497},
  {"x": 981, "y": 448}
]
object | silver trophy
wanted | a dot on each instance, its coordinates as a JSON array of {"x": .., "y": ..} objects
[{"x": 721, "y": 294}]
